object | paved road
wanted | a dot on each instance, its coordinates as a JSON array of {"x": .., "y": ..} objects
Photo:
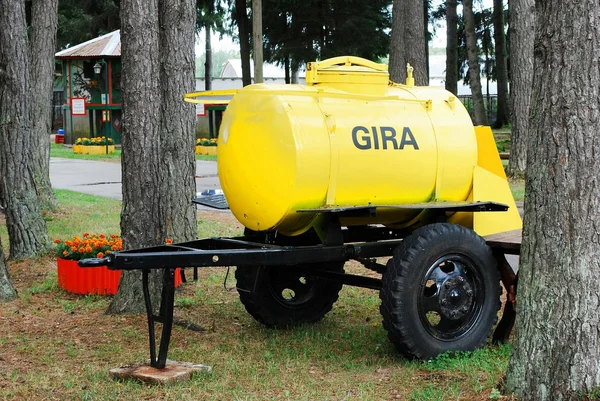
[{"x": 104, "y": 178}]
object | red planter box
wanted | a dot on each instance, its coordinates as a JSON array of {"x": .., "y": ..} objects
[{"x": 98, "y": 280}]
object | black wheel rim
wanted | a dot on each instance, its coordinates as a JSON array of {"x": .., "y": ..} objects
[
  {"x": 451, "y": 296},
  {"x": 292, "y": 289}
]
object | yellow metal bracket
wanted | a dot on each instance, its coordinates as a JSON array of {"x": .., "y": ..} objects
[{"x": 212, "y": 97}]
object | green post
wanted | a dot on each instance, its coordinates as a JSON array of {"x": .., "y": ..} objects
[
  {"x": 98, "y": 69},
  {"x": 106, "y": 104}
]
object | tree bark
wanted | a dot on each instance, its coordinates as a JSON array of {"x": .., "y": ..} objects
[
  {"x": 177, "y": 185},
  {"x": 140, "y": 144},
  {"x": 408, "y": 43},
  {"x": 473, "y": 61},
  {"x": 208, "y": 62},
  {"x": 42, "y": 43},
  {"x": 26, "y": 226},
  {"x": 244, "y": 37},
  {"x": 501, "y": 67},
  {"x": 521, "y": 59},
  {"x": 451, "y": 47},
  {"x": 7, "y": 291},
  {"x": 556, "y": 354},
  {"x": 158, "y": 135},
  {"x": 257, "y": 37}
]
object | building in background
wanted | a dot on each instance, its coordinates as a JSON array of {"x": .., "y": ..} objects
[{"x": 93, "y": 98}]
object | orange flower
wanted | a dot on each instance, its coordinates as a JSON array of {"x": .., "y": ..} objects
[
  {"x": 81, "y": 250},
  {"x": 114, "y": 248},
  {"x": 57, "y": 241},
  {"x": 88, "y": 249},
  {"x": 65, "y": 253},
  {"x": 74, "y": 248},
  {"x": 114, "y": 236},
  {"x": 85, "y": 235},
  {"x": 102, "y": 236},
  {"x": 100, "y": 255},
  {"x": 168, "y": 241}
]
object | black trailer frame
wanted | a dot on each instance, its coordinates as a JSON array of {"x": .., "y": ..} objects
[{"x": 340, "y": 244}]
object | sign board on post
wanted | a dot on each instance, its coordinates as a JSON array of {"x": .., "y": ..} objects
[
  {"x": 200, "y": 110},
  {"x": 78, "y": 106}
]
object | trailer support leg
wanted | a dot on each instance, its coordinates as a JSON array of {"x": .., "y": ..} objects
[{"x": 165, "y": 317}]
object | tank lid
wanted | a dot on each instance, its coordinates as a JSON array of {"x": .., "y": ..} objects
[{"x": 346, "y": 70}]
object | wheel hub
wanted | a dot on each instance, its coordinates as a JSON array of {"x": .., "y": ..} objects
[{"x": 456, "y": 298}]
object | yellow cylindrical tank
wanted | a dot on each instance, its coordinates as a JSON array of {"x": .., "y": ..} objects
[{"x": 347, "y": 138}]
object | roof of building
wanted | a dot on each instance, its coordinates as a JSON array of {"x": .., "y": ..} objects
[
  {"x": 108, "y": 45},
  {"x": 233, "y": 69}
]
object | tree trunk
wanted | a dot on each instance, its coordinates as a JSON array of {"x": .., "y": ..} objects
[
  {"x": 408, "y": 43},
  {"x": 140, "y": 144},
  {"x": 473, "y": 60},
  {"x": 501, "y": 68},
  {"x": 556, "y": 354},
  {"x": 286, "y": 67},
  {"x": 24, "y": 221},
  {"x": 451, "y": 47},
  {"x": 244, "y": 36},
  {"x": 522, "y": 14},
  {"x": 44, "y": 22},
  {"x": 158, "y": 158},
  {"x": 208, "y": 61},
  {"x": 177, "y": 185},
  {"x": 7, "y": 291},
  {"x": 258, "y": 40}
]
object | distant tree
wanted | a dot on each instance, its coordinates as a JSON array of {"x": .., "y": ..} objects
[
  {"x": 210, "y": 16},
  {"x": 522, "y": 14},
  {"x": 408, "y": 42},
  {"x": 241, "y": 20},
  {"x": 82, "y": 20},
  {"x": 42, "y": 44},
  {"x": 219, "y": 59},
  {"x": 296, "y": 34},
  {"x": 501, "y": 65},
  {"x": 451, "y": 47},
  {"x": 158, "y": 136},
  {"x": 555, "y": 348},
  {"x": 26, "y": 226},
  {"x": 473, "y": 58}
]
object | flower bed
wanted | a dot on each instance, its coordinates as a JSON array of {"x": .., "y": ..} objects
[
  {"x": 206, "y": 146},
  {"x": 98, "y": 280},
  {"x": 93, "y": 146}
]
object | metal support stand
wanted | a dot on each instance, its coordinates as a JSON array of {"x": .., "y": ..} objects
[{"x": 165, "y": 316}]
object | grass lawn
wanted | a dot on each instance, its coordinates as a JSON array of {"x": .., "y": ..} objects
[
  {"x": 60, "y": 150},
  {"x": 59, "y": 346}
]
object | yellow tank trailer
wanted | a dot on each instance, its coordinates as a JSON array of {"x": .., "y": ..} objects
[
  {"x": 351, "y": 138},
  {"x": 353, "y": 166}
]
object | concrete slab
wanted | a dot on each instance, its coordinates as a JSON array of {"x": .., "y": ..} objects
[{"x": 174, "y": 372}]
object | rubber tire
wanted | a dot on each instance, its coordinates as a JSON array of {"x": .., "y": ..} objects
[
  {"x": 257, "y": 296},
  {"x": 401, "y": 289}
]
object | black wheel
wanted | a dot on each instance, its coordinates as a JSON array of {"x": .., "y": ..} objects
[
  {"x": 281, "y": 296},
  {"x": 441, "y": 292}
]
